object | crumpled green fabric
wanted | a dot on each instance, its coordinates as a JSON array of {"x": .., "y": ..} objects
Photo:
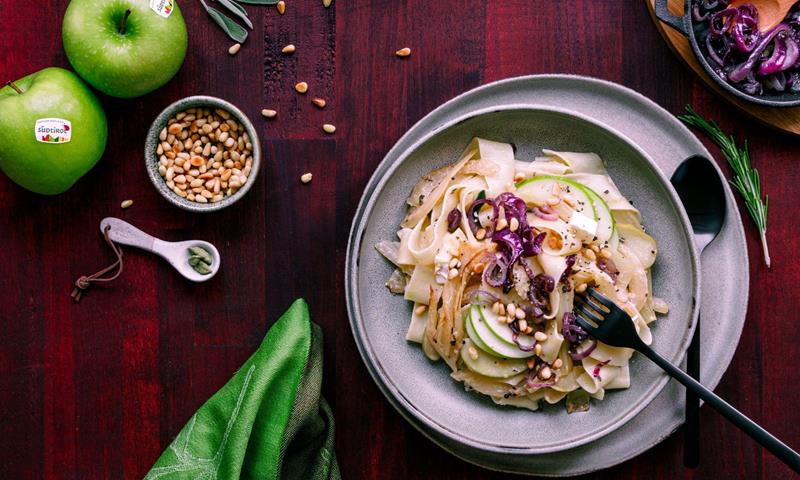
[{"x": 268, "y": 422}]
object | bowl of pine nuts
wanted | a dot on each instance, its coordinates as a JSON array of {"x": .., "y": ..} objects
[{"x": 202, "y": 153}]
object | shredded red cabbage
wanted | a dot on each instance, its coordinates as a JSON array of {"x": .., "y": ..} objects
[
  {"x": 482, "y": 297},
  {"x": 583, "y": 350},
  {"x": 539, "y": 293},
  {"x": 571, "y": 330},
  {"x": 496, "y": 273},
  {"x": 532, "y": 380},
  {"x": 510, "y": 244},
  {"x": 545, "y": 212},
  {"x": 570, "y": 261},
  {"x": 472, "y": 215},
  {"x": 753, "y": 61}
]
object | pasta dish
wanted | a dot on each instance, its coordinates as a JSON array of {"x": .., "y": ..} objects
[{"x": 491, "y": 253}]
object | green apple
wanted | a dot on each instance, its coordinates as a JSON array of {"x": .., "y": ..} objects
[
  {"x": 125, "y": 48},
  {"x": 52, "y": 130}
]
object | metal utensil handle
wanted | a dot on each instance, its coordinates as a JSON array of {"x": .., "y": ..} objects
[
  {"x": 126, "y": 234},
  {"x": 674, "y": 21},
  {"x": 756, "y": 432},
  {"x": 691, "y": 431}
]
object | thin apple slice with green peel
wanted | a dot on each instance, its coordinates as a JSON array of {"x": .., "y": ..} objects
[
  {"x": 471, "y": 333},
  {"x": 605, "y": 220},
  {"x": 538, "y": 190},
  {"x": 641, "y": 244},
  {"x": 489, "y": 365},
  {"x": 502, "y": 330},
  {"x": 483, "y": 337}
]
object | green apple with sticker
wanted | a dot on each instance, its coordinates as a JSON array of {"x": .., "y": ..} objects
[
  {"x": 52, "y": 130},
  {"x": 125, "y": 48}
]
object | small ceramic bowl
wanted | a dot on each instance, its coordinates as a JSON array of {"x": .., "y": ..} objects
[{"x": 152, "y": 162}]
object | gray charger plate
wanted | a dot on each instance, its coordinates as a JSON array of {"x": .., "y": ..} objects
[{"x": 667, "y": 143}]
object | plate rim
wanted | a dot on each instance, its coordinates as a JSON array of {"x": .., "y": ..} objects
[{"x": 385, "y": 170}]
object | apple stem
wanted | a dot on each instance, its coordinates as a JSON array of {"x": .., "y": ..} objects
[
  {"x": 124, "y": 23},
  {"x": 15, "y": 87}
]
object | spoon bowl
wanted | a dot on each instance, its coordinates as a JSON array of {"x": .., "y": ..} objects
[
  {"x": 701, "y": 191},
  {"x": 176, "y": 253}
]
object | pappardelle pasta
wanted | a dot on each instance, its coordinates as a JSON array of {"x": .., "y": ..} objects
[{"x": 492, "y": 251}]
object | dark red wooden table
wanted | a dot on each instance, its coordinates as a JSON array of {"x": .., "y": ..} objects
[{"x": 98, "y": 389}]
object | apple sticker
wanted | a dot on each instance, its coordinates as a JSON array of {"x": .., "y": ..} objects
[{"x": 53, "y": 130}]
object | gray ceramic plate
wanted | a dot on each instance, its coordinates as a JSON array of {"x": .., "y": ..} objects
[{"x": 667, "y": 142}]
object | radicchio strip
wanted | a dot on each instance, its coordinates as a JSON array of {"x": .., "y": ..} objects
[
  {"x": 571, "y": 330},
  {"x": 472, "y": 215},
  {"x": 583, "y": 350},
  {"x": 514, "y": 326}
]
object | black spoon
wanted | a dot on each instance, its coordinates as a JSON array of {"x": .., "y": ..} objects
[{"x": 700, "y": 188}]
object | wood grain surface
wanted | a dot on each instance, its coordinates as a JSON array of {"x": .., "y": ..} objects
[
  {"x": 96, "y": 390},
  {"x": 785, "y": 119}
]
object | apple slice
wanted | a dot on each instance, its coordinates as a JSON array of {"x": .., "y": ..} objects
[
  {"x": 538, "y": 190},
  {"x": 605, "y": 221},
  {"x": 489, "y": 365},
  {"x": 502, "y": 330},
  {"x": 479, "y": 332}
]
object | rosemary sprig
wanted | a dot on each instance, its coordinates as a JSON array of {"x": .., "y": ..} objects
[
  {"x": 233, "y": 29},
  {"x": 745, "y": 178}
]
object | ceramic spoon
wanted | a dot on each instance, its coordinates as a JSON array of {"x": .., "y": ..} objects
[
  {"x": 700, "y": 189},
  {"x": 175, "y": 253},
  {"x": 770, "y": 12}
]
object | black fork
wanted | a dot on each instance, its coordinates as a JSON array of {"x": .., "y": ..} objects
[{"x": 605, "y": 321}]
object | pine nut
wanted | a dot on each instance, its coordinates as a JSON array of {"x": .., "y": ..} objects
[
  {"x": 421, "y": 309},
  {"x": 301, "y": 87},
  {"x": 540, "y": 336},
  {"x": 288, "y": 49},
  {"x": 537, "y": 349},
  {"x": 473, "y": 354},
  {"x": 281, "y": 6},
  {"x": 589, "y": 254},
  {"x": 480, "y": 234},
  {"x": 318, "y": 102},
  {"x": 126, "y": 203},
  {"x": 175, "y": 128},
  {"x": 545, "y": 373},
  {"x": 501, "y": 224},
  {"x": 328, "y": 128},
  {"x": 557, "y": 363},
  {"x": 326, "y": 3},
  {"x": 581, "y": 288},
  {"x": 234, "y": 48},
  {"x": 513, "y": 225},
  {"x": 606, "y": 253},
  {"x": 403, "y": 52}
]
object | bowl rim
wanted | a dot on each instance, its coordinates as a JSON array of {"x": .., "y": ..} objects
[
  {"x": 151, "y": 158},
  {"x": 766, "y": 101},
  {"x": 377, "y": 182}
]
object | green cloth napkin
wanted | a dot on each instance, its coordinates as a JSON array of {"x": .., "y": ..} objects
[{"x": 268, "y": 422}]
